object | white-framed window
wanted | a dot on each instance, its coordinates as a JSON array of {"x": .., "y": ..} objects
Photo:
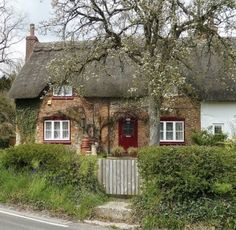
[
  {"x": 62, "y": 91},
  {"x": 218, "y": 128},
  {"x": 58, "y": 130},
  {"x": 172, "y": 131}
]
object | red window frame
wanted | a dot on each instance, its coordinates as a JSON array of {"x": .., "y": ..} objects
[
  {"x": 173, "y": 142},
  {"x": 55, "y": 141}
]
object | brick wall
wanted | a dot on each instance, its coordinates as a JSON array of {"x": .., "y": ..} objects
[{"x": 100, "y": 113}]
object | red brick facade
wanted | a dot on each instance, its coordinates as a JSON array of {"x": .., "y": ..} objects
[{"x": 98, "y": 113}]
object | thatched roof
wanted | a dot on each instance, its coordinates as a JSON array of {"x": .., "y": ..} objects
[
  {"x": 211, "y": 75},
  {"x": 111, "y": 80},
  {"x": 209, "y": 81}
]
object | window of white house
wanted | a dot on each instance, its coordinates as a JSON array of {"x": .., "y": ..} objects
[
  {"x": 172, "y": 131},
  {"x": 57, "y": 130},
  {"x": 218, "y": 128},
  {"x": 62, "y": 91}
]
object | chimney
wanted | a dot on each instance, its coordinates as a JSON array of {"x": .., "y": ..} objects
[{"x": 31, "y": 40}]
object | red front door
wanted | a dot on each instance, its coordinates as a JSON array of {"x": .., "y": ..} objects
[{"x": 128, "y": 132}]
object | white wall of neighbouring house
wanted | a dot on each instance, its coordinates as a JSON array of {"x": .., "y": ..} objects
[{"x": 214, "y": 113}]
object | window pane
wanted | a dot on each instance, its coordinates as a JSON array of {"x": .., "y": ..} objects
[
  {"x": 169, "y": 126},
  {"x": 56, "y": 130},
  {"x": 179, "y": 126},
  {"x": 128, "y": 128},
  {"x": 48, "y": 134},
  {"x": 65, "y": 125},
  {"x": 67, "y": 90},
  {"x": 65, "y": 134},
  {"x": 218, "y": 129},
  {"x": 56, "y": 125},
  {"x": 48, "y": 129},
  {"x": 58, "y": 91},
  {"x": 65, "y": 130},
  {"x": 169, "y": 135},
  {"x": 48, "y": 125},
  {"x": 179, "y": 136}
]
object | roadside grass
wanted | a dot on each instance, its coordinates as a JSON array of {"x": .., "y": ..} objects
[{"x": 36, "y": 190}]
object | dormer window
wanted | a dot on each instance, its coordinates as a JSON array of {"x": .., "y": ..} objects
[{"x": 62, "y": 91}]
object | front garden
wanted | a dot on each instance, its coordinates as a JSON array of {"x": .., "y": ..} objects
[
  {"x": 50, "y": 177},
  {"x": 182, "y": 187}
]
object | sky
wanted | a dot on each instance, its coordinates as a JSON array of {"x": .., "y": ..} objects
[{"x": 35, "y": 11}]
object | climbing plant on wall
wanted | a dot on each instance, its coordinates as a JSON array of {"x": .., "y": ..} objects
[{"x": 26, "y": 115}]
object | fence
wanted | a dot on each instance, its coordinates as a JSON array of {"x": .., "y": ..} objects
[{"x": 119, "y": 176}]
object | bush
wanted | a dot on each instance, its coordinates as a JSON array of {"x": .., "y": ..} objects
[
  {"x": 29, "y": 157},
  {"x": 118, "y": 151},
  {"x": 63, "y": 165},
  {"x": 204, "y": 137},
  {"x": 181, "y": 185},
  {"x": 51, "y": 177},
  {"x": 132, "y": 151}
]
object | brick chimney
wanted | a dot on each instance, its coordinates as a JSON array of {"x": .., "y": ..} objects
[{"x": 31, "y": 40}]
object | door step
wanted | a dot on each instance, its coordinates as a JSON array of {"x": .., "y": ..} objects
[
  {"x": 114, "y": 214},
  {"x": 114, "y": 211}
]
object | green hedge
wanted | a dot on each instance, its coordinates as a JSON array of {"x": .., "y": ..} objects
[
  {"x": 187, "y": 185},
  {"x": 61, "y": 164}
]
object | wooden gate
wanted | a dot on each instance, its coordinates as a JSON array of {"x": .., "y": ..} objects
[{"x": 119, "y": 176}]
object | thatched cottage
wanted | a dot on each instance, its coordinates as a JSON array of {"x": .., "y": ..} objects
[{"x": 106, "y": 112}]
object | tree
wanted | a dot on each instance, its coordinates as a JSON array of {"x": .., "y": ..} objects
[
  {"x": 10, "y": 26},
  {"x": 7, "y": 111},
  {"x": 157, "y": 35}
]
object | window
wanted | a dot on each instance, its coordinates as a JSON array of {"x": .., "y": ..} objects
[
  {"x": 62, "y": 91},
  {"x": 218, "y": 128},
  {"x": 172, "y": 131},
  {"x": 57, "y": 130},
  {"x": 128, "y": 128}
]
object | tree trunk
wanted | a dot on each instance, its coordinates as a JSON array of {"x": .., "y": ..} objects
[{"x": 154, "y": 120}]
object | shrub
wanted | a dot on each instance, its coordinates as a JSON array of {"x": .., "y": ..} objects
[
  {"x": 4, "y": 143},
  {"x": 204, "y": 137},
  {"x": 132, "y": 151},
  {"x": 185, "y": 185},
  {"x": 37, "y": 156},
  {"x": 51, "y": 177},
  {"x": 63, "y": 165},
  {"x": 118, "y": 151}
]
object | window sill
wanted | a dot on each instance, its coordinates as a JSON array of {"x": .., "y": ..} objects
[
  {"x": 62, "y": 97},
  {"x": 172, "y": 143},
  {"x": 57, "y": 142}
]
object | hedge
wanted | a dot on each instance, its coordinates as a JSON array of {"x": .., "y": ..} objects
[
  {"x": 187, "y": 185},
  {"x": 50, "y": 177},
  {"x": 60, "y": 163}
]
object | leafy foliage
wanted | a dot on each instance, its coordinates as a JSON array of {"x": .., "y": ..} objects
[
  {"x": 51, "y": 177},
  {"x": 7, "y": 111},
  {"x": 62, "y": 164},
  {"x": 187, "y": 185},
  {"x": 5, "y": 83},
  {"x": 26, "y": 115},
  {"x": 118, "y": 151},
  {"x": 132, "y": 151},
  {"x": 206, "y": 138}
]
